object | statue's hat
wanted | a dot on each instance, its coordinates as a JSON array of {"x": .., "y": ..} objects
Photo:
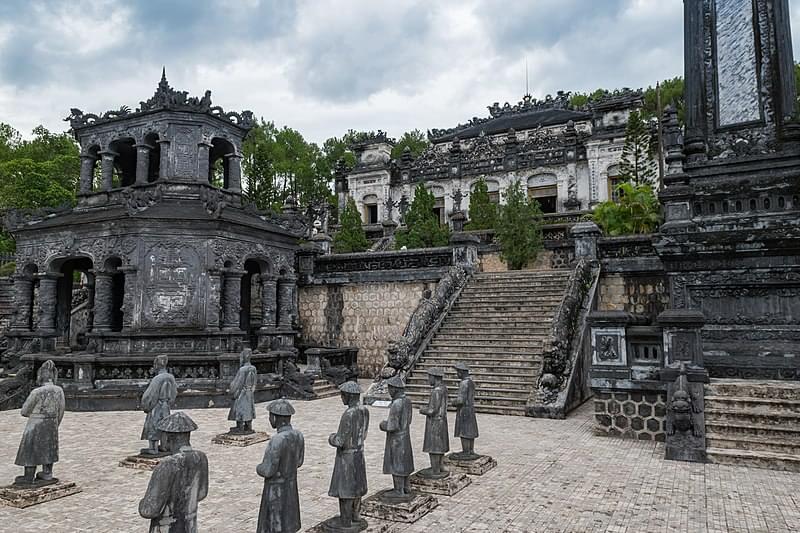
[
  {"x": 396, "y": 381},
  {"x": 436, "y": 371},
  {"x": 178, "y": 422},
  {"x": 350, "y": 387},
  {"x": 280, "y": 407},
  {"x": 461, "y": 365}
]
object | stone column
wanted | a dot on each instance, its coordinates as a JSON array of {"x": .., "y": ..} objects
[
  {"x": 23, "y": 303},
  {"x": 142, "y": 163},
  {"x": 107, "y": 168},
  {"x": 269, "y": 301},
  {"x": 87, "y": 173},
  {"x": 586, "y": 235},
  {"x": 213, "y": 299},
  {"x": 694, "y": 76},
  {"x": 286, "y": 285},
  {"x": 202, "y": 161},
  {"x": 234, "y": 162},
  {"x": 232, "y": 298},
  {"x": 102, "y": 300},
  {"x": 128, "y": 303},
  {"x": 48, "y": 297},
  {"x": 163, "y": 164}
]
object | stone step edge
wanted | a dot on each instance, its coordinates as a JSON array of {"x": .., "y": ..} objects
[
  {"x": 752, "y": 399},
  {"x": 753, "y": 427},
  {"x": 753, "y": 454},
  {"x": 748, "y": 412},
  {"x": 752, "y": 439}
]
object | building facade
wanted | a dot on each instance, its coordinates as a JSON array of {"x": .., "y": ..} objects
[{"x": 566, "y": 157}]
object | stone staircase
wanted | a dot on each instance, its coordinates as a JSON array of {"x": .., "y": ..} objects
[
  {"x": 324, "y": 389},
  {"x": 497, "y": 326},
  {"x": 753, "y": 423}
]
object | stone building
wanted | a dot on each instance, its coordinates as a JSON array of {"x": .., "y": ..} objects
[
  {"x": 172, "y": 258},
  {"x": 566, "y": 157}
]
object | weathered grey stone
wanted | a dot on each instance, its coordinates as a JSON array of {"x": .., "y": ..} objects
[
  {"x": 437, "y": 440},
  {"x": 453, "y": 483},
  {"x": 243, "y": 387},
  {"x": 157, "y": 400},
  {"x": 240, "y": 440},
  {"x": 385, "y": 506},
  {"x": 476, "y": 465},
  {"x": 22, "y": 497}
]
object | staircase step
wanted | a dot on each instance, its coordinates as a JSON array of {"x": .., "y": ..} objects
[
  {"x": 772, "y": 389},
  {"x": 744, "y": 442},
  {"x": 785, "y": 432},
  {"x": 484, "y": 346},
  {"x": 494, "y": 375},
  {"x": 481, "y": 338},
  {"x": 765, "y": 406},
  {"x": 484, "y": 349},
  {"x": 491, "y": 331},
  {"x": 493, "y": 401},
  {"x": 748, "y": 416},
  {"x": 757, "y": 459}
]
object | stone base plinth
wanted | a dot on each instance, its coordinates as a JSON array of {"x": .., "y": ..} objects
[
  {"x": 331, "y": 525},
  {"x": 21, "y": 496},
  {"x": 142, "y": 461},
  {"x": 447, "y": 486},
  {"x": 240, "y": 439},
  {"x": 476, "y": 465},
  {"x": 407, "y": 510}
]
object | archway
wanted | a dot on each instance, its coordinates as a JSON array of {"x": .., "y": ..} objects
[
  {"x": 251, "y": 297},
  {"x": 74, "y": 300},
  {"x": 154, "y": 163},
  {"x": 124, "y": 162},
  {"x": 218, "y": 171}
]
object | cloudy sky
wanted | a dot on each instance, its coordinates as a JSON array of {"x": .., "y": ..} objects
[{"x": 325, "y": 66}]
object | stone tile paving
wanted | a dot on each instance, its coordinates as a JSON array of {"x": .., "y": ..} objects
[{"x": 553, "y": 476}]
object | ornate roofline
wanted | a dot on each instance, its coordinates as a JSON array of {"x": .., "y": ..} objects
[{"x": 165, "y": 98}]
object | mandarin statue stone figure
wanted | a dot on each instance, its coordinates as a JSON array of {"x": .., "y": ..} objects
[
  {"x": 243, "y": 387},
  {"x": 179, "y": 482},
  {"x": 466, "y": 424},
  {"x": 398, "y": 456},
  {"x": 157, "y": 400},
  {"x": 44, "y": 409},
  {"x": 437, "y": 439},
  {"x": 349, "y": 480},
  {"x": 280, "y": 503}
]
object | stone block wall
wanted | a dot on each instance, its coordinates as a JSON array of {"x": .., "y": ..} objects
[
  {"x": 633, "y": 293},
  {"x": 365, "y": 315},
  {"x": 630, "y": 414},
  {"x": 491, "y": 262},
  {"x": 6, "y": 302}
]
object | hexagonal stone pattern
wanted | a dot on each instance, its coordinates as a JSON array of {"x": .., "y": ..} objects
[{"x": 631, "y": 415}]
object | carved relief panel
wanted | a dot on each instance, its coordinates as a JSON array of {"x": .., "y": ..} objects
[{"x": 172, "y": 279}]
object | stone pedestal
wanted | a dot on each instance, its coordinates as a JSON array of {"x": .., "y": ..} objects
[
  {"x": 408, "y": 510},
  {"x": 453, "y": 483},
  {"x": 240, "y": 439},
  {"x": 142, "y": 461},
  {"x": 475, "y": 465},
  {"x": 374, "y": 526},
  {"x": 26, "y": 496}
]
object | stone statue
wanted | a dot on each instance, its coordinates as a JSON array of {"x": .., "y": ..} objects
[
  {"x": 349, "y": 480},
  {"x": 466, "y": 423},
  {"x": 178, "y": 483},
  {"x": 243, "y": 387},
  {"x": 398, "y": 457},
  {"x": 437, "y": 439},
  {"x": 44, "y": 410},
  {"x": 280, "y": 504},
  {"x": 156, "y": 402}
]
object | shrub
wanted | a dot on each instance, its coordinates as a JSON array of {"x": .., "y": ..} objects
[
  {"x": 482, "y": 212},
  {"x": 423, "y": 229},
  {"x": 637, "y": 211},
  {"x": 519, "y": 228},
  {"x": 350, "y": 237}
]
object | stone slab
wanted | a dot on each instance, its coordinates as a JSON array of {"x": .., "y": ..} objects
[
  {"x": 474, "y": 467},
  {"x": 446, "y": 486},
  {"x": 371, "y": 526},
  {"x": 142, "y": 462},
  {"x": 240, "y": 440},
  {"x": 398, "y": 511},
  {"x": 21, "y": 498}
]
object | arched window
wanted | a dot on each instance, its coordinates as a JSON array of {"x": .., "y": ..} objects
[
  {"x": 544, "y": 188},
  {"x": 370, "y": 203},
  {"x": 124, "y": 162},
  {"x": 218, "y": 168},
  {"x": 438, "y": 204},
  {"x": 614, "y": 181},
  {"x": 493, "y": 187}
]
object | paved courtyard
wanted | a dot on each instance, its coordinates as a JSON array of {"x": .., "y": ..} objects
[{"x": 552, "y": 476}]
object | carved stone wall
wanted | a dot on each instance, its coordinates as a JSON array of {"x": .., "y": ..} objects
[
  {"x": 630, "y": 415},
  {"x": 365, "y": 315},
  {"x": 633, "y": 293}
]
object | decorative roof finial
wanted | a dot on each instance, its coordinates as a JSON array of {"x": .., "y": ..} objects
[{"x": 163, "y": 74}]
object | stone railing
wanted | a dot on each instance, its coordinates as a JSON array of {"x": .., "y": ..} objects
[
  {"x": 561, "y": 386},
  {"x": 336, "y": 365},
  {"x": 404, "y": 352}
]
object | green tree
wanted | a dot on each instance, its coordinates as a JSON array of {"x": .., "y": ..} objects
[
  {"x": 422, "y": 226},
  {"x": 415, "y": 140},
  {"x": 637, "y": 211},
  {"x": 351, "y": 236},
  {"x": 636, "y": 164},
  {"x": 482, "y": 212},
  {"x": 519, "y": 228},
  {"x": 671, "y": 94}
]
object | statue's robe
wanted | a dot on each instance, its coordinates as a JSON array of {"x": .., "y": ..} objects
[
  {"x": 178, "y": 483},
  {"x": 466, "y": 423},
  {"x": 243, "y": 389},
  {"x": 44, "y": 409},
  {"x": 436, "y": 439},
  {"x": 156, "y": 401},
  {"x": 398, "y": 457},
  {"x": 349, "y": 478},
  {"x": 280, "y": 504}
]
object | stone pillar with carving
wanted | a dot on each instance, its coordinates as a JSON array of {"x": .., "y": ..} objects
[
  {"x": 286, "y": 304},
  {"x": 234, "y": 162},
  {"x": 107, "y": 168},
  {"x": 232, "y": 298},
  {"x": 269, "y": 302},
  {"x": 87, "y": 173},
  {"x": 213, "y": 299},
  {"x": 142, "y": 163},
  {"x": 586, "y": 235},
  {"x": 103, "y": 308},
  {"x": 163, "y": 165},
  {"x": 23, "y": 303},
  {"x": 48, "y": 297},
  {"x": 203, "y": 152},
  {"x": 129, "y": 318}
]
